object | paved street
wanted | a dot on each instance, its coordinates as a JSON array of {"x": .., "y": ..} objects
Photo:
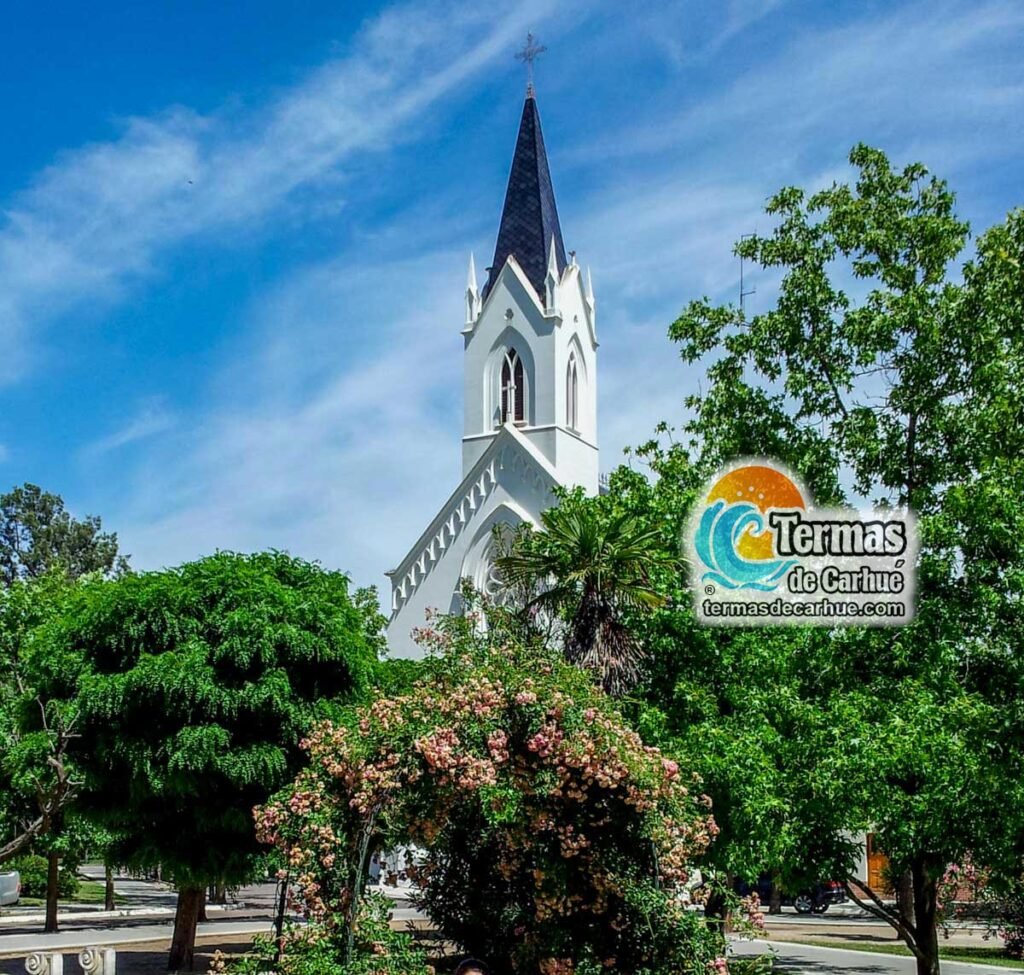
[
  {"x": 815, "y": 960},
  {"x": 138, "y": 902}
]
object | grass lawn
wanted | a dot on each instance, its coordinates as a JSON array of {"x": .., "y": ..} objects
[
  {"x": 89, "y": 892},
  {"x": 979, "y": 954}
]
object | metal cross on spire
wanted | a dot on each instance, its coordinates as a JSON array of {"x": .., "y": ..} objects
[{"x": 530, "y": 52}]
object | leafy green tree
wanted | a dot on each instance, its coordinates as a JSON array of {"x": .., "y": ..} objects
[
  {"x": 42, "y": 550},
  {"x": 591, "y": 570},
  {"x": 38, "y": 535},
  {"x": 38, "y": 781},
  {"x": 878, "y": 375},
  {"x": 193, "y": 688}
]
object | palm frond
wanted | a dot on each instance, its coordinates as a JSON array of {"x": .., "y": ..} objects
[{"x": 592, "y": 567}]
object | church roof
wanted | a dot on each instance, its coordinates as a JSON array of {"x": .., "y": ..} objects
[{"x": 529, "y": 219}]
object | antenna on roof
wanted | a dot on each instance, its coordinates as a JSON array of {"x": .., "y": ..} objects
[
  {"x": 530, "y": 52},
  {"x": 744, "y": 294}
]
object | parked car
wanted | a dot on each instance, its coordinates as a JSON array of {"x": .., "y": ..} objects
[
  {"x": 10, "y": 888},
  {"x": 816, "y": 899}
]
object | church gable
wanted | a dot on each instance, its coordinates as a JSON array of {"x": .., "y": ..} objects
[
  {"x": 510, "y": 287},
  {"x": 510, "y": 474}
]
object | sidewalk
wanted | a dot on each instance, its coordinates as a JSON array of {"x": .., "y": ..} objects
[
  {"x": 90, "y": 914},
  {"x": 14, "y": 945},
  {"x": 147, "y": 920}
]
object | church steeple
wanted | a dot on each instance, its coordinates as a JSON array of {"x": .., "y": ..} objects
[{"x": 529, "y": 219}]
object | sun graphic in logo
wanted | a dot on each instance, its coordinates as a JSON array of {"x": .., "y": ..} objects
[
  {"x": 733, "y": 538},
  {"x": 763, "y": 487}
]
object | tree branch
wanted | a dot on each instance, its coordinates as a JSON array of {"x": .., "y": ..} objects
[
  {"x": 906, "y": 931},
  {"x": 15, "y": 846}
]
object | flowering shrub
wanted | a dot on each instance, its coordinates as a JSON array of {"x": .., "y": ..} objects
[
  {"x": 1005, "y": 902},
  {"x": 553, "y": 839},
  {"x": 310, "y": 950},
  {"x": 960, "y": 893}
]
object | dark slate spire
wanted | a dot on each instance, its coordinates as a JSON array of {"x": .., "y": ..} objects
[{"x": 529, "y": 219}]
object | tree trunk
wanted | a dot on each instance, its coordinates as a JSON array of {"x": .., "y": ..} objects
[
  {"x": 905, "y": 898},
  {"x": 717, "y": 914},
  {"x": 202, "y": 906},
  {"x": 220, "y": 892},
  {"x": 186, "y": 917},
  {"x": 775, "y": 901},
  {"x": 108, "y": 893},
  {"x": 52, "y": 880},
  {"x": 926, "y": 890}
]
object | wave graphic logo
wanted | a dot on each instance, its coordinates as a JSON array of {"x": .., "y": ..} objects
[{"x": 732, "y": 538}]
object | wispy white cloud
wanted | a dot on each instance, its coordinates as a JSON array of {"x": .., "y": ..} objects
[
  {"x": 686, "y": 184},
  {"x": 942, "y": 68},
  {"x": 100, "y": 216},
  {"x": 739, "y": 16},
  {"x": 342, "y": 468},
  {"x": 334, "y": 431},
  {"x": 151, "y": 419}
]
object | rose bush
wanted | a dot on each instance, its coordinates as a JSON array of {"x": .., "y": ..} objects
[{"x": 553, "y": 840}]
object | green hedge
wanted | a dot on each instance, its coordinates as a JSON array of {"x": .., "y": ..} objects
[{"x": 33, "y": 878}]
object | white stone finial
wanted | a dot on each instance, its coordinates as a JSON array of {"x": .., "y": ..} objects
[
  {"x": 552, "y": 258},
  {"x": 551, "y": 280},
  {"x": 472, "y": 293},
  {"x": 588, "y": 294}
]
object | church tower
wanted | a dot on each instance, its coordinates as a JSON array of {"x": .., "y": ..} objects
[
  {"x": 530, "y": 396},
  {"x": 530, "y": 343}
]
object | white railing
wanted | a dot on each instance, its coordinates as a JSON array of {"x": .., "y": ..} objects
[{"x": 435, "y": 541}]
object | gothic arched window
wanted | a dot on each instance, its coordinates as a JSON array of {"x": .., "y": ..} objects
[
  {"x": 572, "y": 400},
  {"x": 512, "y": 388}
]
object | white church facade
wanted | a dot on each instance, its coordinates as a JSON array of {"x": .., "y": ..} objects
[{"x": 529, "y": 397}]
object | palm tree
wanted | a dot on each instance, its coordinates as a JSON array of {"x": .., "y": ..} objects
[{"x": 592, "y": 569}]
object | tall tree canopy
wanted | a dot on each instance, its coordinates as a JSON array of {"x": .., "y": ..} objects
[
  {"x": 38, "y": 535},
  {"x": 193, "y": 688},
  {"x": 36, "y": 778},
  {"x": 881, "y": 375}
]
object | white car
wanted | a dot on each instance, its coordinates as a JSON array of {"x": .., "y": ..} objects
[{"x": 10, "y": 888}]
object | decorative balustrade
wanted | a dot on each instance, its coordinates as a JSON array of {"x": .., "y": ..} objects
[
  {"x": 98, "y": 961},
  {"x": 93, "y": 961}
]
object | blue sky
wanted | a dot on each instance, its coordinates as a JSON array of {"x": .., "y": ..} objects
[{"x": 233, "y": 238}]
